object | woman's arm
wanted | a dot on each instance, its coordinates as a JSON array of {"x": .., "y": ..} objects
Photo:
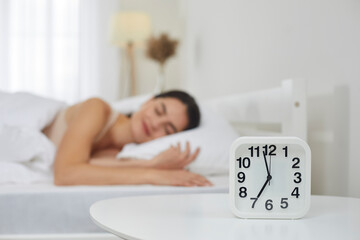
[
  {"x": 72, "y": 166},
  {"x": 99, "y": 175}
]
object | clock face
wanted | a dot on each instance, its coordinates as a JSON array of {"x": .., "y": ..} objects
[{"x": 270, "y": 177}]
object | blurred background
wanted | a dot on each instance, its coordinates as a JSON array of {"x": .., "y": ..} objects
[{"x": 74, "y": 49}]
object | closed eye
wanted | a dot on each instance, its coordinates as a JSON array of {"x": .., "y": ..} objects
[
  {"x": 157, "y": 112},
  {"x": 160, "y": 109}
]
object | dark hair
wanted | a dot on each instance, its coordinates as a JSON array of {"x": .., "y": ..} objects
[{"x": 192, "y": 107}]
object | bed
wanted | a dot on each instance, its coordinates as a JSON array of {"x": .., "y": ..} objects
[{"x": 45, "y": 211}]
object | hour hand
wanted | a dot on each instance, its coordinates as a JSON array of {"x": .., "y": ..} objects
[
  {"x": 267, "y": 167},
  {"x": 263, "y": 187}
]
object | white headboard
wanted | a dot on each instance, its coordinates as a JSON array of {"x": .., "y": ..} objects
[{"x": 274, "y": 111}]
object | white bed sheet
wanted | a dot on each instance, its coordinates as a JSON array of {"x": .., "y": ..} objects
[{"x": 48, "y": 209}]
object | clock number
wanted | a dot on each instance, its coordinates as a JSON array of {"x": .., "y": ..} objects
[
  {"x": 286, "y": 151},
  {"x": 298, "y": 176},
  {"x": 269, "y": 205},
  {"x": 254, "y": 199},
  {"x": 271, "y": 148},
  {"x": 295, "y": 192},
  {"x": 241, "y": 177},
  {"x": 242, "y": 192},
  {"x": 284, "y": 203},
  {"x": 244, "y": 162},
  {"x": 257, "y": 151},
  {"x": 297, "y": 161}
]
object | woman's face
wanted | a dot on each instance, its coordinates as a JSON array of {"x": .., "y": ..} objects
[{"x": 158, "y": 117}]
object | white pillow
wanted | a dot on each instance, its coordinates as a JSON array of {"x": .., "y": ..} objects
[{"x": 214, "y": 137}]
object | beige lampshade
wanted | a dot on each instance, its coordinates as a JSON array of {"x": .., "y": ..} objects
[{"x": 128, "y": 27}]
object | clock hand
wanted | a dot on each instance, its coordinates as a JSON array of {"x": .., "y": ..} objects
[
  {"x": 267, "y": 167},
  {"x": 270, "y": 168},
  {"x": 263, "y": 187}
]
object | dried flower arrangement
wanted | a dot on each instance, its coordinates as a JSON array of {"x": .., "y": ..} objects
[{"x": 161, "y": 49}]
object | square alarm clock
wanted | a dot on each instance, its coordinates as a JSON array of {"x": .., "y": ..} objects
[{"x": 270, "y": 177}]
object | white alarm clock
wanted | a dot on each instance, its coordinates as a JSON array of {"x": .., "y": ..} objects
[{"x": 270, "y": 177}]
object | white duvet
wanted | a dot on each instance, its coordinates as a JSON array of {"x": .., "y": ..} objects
[{"x": 26, "y": 154}]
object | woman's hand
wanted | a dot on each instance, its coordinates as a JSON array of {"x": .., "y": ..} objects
[
  {"x": 174, "y": 158},
  {"x": 178, "y": 178}
]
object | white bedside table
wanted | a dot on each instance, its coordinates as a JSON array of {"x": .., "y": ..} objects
[{"x": 207, "y": 216}]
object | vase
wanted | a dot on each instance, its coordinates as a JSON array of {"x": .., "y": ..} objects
[{"x": 160, "y": 81}]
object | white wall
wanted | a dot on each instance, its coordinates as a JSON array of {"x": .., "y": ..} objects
[{"x": 238, "y": 46}]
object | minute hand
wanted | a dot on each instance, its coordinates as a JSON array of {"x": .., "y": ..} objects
[
  {"x": 267, "y": 167},
  {"x": 263, "y": 187}
]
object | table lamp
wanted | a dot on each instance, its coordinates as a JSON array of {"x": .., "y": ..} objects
[{"x": 128, "y": 31}]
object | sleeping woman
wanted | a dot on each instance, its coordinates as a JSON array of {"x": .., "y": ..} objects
[{"x": 88, "y": 136}]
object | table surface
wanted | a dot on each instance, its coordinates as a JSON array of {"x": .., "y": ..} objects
[{"x": 208, "y": 216}]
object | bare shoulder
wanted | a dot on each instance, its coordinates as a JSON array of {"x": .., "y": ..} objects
[
  {"x": 87, "y": 118},
  {"x": 97, "y": 101},
  {"x": 94, "y": 105},
  {"x": 86, "y": 121}
]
